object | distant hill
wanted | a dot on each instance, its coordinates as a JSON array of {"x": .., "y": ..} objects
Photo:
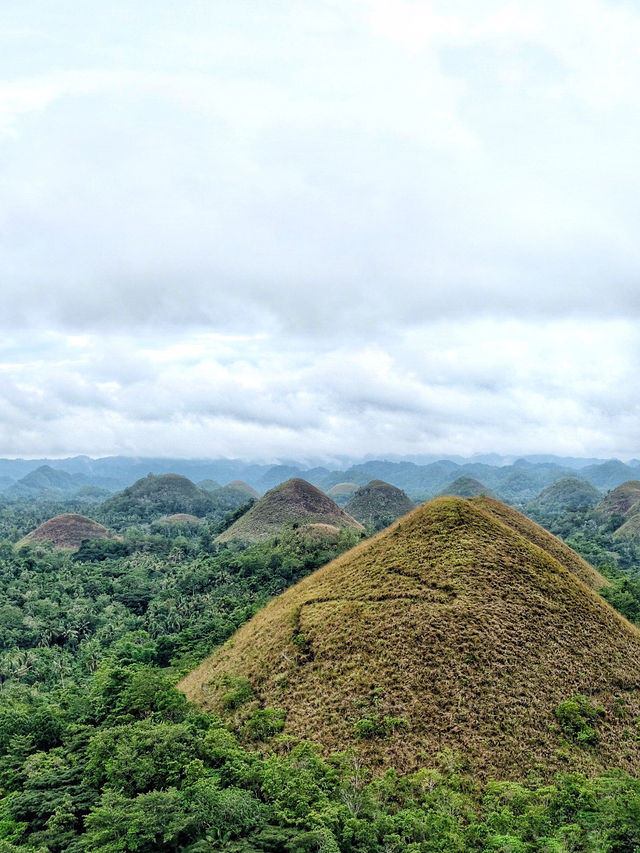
[
  {"x": 67, "y": 531},
  {"x": 179, "y": 518},
  {"x": 233, "y": 496},
  {"x": 565, "y": 494},
  {"x": 465, "y": 487},
  {"x": 47, "y": 479},
  {"x": 619, "y": 503},
  {"x": 153, "y": 497},
  {"x": 449, "y": 631},
  {"x": 208, "y": 485},
  {"x": 378, "y": 504},
  {"x": 342, "y": 493},
  {"x": 294, "y": 502},
  {"x": 244, "y": 488}
]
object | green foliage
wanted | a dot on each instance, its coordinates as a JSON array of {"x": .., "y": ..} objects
[
  {"x": 238, "y": 692},
  {"x": 263, "y": 724},
  {"x": 99, "y": 753},
  {"x": 376, "y": 725},
  {"x": 577, "y": 717}
]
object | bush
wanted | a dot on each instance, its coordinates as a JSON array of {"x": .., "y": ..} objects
[
  {"x": 239, "y": 692},
  {"x": 264, "y": 724},
  {"x": 577, "y": 716}
]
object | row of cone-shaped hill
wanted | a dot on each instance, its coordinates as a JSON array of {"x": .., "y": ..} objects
[
  {"x": 463, "y": 626},
  {"x": 378, "y": 504},
  {"x": 295, "y": 502},
  {"x": 69, "y": 531}
]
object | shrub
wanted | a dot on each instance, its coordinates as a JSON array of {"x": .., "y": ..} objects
[
  {"x": 238, "y": 692},
  {"x": 264, "y": 724},
  {"x": 577, "y": 716}
]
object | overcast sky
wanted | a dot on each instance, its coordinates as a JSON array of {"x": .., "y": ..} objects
[{"x": 305, "y": 229}]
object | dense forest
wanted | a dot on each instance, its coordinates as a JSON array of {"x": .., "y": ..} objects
[{"x": 100, "y": 753}]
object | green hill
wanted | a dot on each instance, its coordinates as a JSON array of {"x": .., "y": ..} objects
[
  {"x": 378, "y": 504},
  {"x": 565, "y": 494},
  {"x": 67, "y": 531},
  {"x": 449, "y": 631},
  {"x": 465, "y": 487},
  {"x": 154, "y": 497},
  {"x": 295, "y": 502}
]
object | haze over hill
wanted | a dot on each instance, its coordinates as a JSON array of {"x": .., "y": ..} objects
[
  {"x": 293, "y": 502},
  {"x": 455, "y": 626}
]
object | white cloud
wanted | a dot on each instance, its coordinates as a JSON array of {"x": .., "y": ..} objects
[{"x": 363, "y": 227}]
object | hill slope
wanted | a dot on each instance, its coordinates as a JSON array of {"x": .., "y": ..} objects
[
  {"x": 378, "y": 504},
  {"x": 293, "y": 502},
  {"x": 537, "y": 535},
  {"x": 67, "y": 531},
  {"x": 453, "y": 623}
]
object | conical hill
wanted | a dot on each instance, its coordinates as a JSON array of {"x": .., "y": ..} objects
[
  {"x": 294, "y": 502},
  {"x": 450, "y": 630},
  {"x": 67, "y": 531},
  {"x": 378, "y": 504}
]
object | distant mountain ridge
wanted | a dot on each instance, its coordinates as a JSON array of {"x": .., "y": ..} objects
[{"x": 516, "y": 481}]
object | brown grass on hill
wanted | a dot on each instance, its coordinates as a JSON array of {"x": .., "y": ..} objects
[
  {"x": 458, "y": 625},
  {"x": 293, "y": 502},
  {"x": 545, "y": 540},
  {"x": 180, "y": 518},
  {"x": 67, "y": 531},
  {"x": 620, "y": 500}
]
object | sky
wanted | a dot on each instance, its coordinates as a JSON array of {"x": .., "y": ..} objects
[{"x": 315, "y": 229}]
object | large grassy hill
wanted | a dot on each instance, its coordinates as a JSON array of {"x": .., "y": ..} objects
[
  {"x": 462, "y": 627},
  {"x": 295, "y": 502}
]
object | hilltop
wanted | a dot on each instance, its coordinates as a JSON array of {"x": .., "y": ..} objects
[
  {"x": 568, "y": 493},
  {"x": 151, "y": 498},
  {"x": 294, "y": 502},
  {"x": 378, "y": 504},
  {"x": 465, "y": 487},
  {"x": 450, "y": 630},
  {"x": 67, "y": 531}
]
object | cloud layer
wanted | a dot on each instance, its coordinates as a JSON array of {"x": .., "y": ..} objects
[{"x": 319, "y": 228}]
